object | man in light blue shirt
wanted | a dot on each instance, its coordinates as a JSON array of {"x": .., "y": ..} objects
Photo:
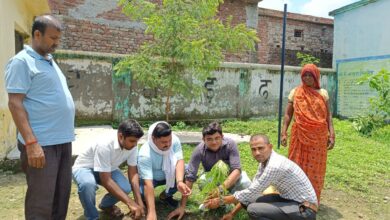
[
  {"x": 160, "y": 161},
  {"x": 43, "y": 110}
]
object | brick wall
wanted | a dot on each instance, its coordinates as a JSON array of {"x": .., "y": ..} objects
[
  {"x": 236, "y": 9},
  {"x": 101, "y": 29},
  {"x": 316, "y": 39},
  {"x": 100, "y": 26}
]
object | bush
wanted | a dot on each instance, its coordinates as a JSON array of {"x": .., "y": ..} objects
[
  {"x": 365, "y": 125},
  {"x": 380, "y": 104}
]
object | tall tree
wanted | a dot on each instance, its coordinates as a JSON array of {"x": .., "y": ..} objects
[{"x": 189, "y": 42}]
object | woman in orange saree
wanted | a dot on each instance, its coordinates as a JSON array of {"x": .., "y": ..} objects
[{"x": 312, "y": 132}]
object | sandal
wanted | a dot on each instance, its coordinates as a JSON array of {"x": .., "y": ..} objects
[{"x": 113, "y": 211}]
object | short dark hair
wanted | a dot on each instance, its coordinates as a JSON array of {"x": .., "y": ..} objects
[
  {"x": 130, "y": 127},
  {"x": 211, "y": 129},
  {"x": 162, "y": 129},
  {"x": 42, "y": 22},
  {"x": 262, "y": 136}
]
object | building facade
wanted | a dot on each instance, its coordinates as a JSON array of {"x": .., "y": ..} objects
[
  {"x": 100, "y": 26},
  {"x": 304, "y": 33},
  {"x": 361, "y": 45}
]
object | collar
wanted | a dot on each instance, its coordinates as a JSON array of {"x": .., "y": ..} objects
[
  {"x": 30, "y": 51},
  {"x": 116, "y": 144},
  {"x": 267, "y": 162}
]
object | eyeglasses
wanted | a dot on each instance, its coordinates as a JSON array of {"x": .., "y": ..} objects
[{"x": 213, "y": 139}]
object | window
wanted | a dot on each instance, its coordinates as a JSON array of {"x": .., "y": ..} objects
[{"x": 298, "y": 33}]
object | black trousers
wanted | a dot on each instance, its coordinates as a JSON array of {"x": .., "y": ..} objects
[
  {"x": 48, "y": 189},
  {"x": 274, "y": 207}
]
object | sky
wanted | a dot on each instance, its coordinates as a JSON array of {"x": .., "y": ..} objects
[{"x": 319, "y": 8}]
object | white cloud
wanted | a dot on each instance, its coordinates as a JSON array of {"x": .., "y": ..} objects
[
  {"x": 275, "y": 4},
  {"x": 321, "y": 8}
]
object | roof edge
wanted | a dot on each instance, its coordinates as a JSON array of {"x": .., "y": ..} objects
[
  {"x": 294, "y": 16},
  {"x": 351, "y": 7}
]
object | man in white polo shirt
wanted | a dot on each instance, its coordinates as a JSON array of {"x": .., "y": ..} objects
[{"x": 99, "y": 163}]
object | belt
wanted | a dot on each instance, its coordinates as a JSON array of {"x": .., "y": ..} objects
[{"x": 310, "y": 206}]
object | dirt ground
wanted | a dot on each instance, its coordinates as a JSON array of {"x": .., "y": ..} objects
[{"x": 334, "y": 204}]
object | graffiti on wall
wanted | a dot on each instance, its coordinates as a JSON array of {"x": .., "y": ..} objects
[
  {"x": 209, "y": 85},
  {"x": 263, "y": 90}
]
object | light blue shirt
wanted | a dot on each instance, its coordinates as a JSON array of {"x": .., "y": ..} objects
[
  {"x": 48, "y": 102},
  {"x": 150, "y": 163}
]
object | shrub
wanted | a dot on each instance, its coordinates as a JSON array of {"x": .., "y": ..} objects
[{"x": 380, "y": 104}]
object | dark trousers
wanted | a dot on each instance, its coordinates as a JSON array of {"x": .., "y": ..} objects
[
  {"x": 276, "y": 208},
  {"x": 48, "y": 189}
]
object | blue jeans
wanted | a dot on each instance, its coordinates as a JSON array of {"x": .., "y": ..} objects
[
  {"x": 156, "y": 183},
  {"x": 87, "y": 183}
]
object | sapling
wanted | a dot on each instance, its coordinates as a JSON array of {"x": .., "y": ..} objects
[{"x": 215, "y": 178}]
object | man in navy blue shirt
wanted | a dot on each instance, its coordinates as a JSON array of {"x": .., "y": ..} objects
[{"x": 213, "y": 148}]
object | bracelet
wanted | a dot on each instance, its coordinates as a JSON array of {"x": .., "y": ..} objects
[
  {"x": 30, "y": 142},
  {"x": 177, "y": 182}
]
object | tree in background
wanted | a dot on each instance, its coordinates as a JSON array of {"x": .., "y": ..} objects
[
  {"x": 189, "y": 41},
  {"x": 307, "y": 58}
]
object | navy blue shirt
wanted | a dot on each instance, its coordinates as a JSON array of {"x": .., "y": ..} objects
[{"x": 228, "y": 153}]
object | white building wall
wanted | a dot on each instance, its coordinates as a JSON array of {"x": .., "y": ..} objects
[{"x": 362, "y": 32}]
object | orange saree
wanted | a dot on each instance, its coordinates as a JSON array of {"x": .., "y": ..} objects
[{"x": 309, "y": 135}]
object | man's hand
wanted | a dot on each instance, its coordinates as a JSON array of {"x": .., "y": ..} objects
[
  {"x": 213, "y": 194},
  {"x": 283, "y": 140},
  {"x": 228, "y": 216},
  {"x": 151, "y": 216},
  {"x": 35, "y": 155},
  {"x": 212, "y": 203},
  {"x": 135, "y": 210},
  {"x": 180, "y": 211},
  {"x": 184, "y": 189},
  {"x": 142, "y": 206}
]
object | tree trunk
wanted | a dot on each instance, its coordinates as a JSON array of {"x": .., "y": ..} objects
[{"x": 167, "y": 106}]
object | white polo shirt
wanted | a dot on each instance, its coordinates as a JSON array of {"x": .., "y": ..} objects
[{"x": 105, "y": 155}]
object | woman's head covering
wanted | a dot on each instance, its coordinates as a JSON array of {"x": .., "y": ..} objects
[{"x": 315, "y": 72}]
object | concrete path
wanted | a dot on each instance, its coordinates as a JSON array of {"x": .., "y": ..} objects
[{"x": 84, "y": 136}]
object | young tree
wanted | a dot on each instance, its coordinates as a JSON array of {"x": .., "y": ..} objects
[
  {"x": 189, "y": 41},
  {"x": 307, "y": 58}
]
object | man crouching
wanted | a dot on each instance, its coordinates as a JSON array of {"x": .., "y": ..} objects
[{"x": 98, "y": 164}]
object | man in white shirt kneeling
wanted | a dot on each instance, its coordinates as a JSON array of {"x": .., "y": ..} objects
[{"x": 99, "y": 164}]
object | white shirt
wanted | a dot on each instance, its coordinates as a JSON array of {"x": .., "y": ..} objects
[
  {"x": 287, "y": 177},
  {"x": 105, "y": 155}
]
